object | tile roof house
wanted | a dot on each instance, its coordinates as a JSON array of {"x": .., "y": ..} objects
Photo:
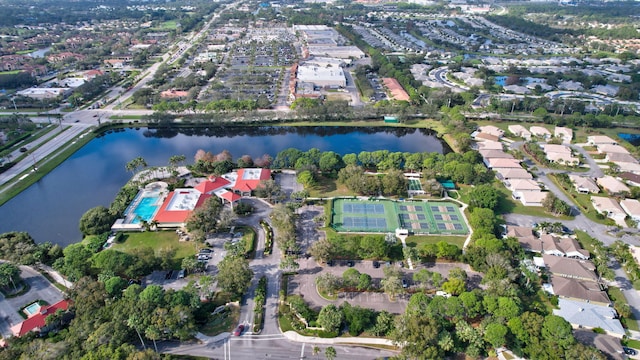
[
  {"x": 480, "y": 136},
  {"x": 178, "y": 206},
  {"x": 600, "y": 140},
  {"x": 491, "y": 130},
  {"x": 610, "y": 208},
  {"x": 570, "y": 268},
  {"x": 503, "y": 163},
  {"x": 584, "y": 185},
  {"x": 37, "y": 321},
  {"x": 564, "y": 246},
  {"x": 612, "y": 149},
  {"x": 612, "y": 185},
  {"x": 530, "y": 198},
  {"x": 540, "y": 131},
  {"x": 495, "y": 154},
  {"x": 560, "y": 154},
  {"x": 620, "y": 157},
  {"x": 584, "y": 291},
  {"x": 519, "y": 231},
  {"x": 631, "y": 178},
  {"x": 522, "y": 185},
  {"x": 563, "y": 132},
  {"x": 512, "y": 174},
  {"x": 590, "y": 316},
  {"x": 490, "y": 145},
  {"x": 520, "y": 131},
  {"x": 632, "y": 208},
  {"x": 633, "y": 167}
]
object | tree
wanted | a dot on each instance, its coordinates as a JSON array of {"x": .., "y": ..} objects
[
  {"x": 205, "y": 218},
  {"x": 96, "y": 221},
  {"x": 9, "y": 274},
  {"x": 373, "y": 247},
  {"x": 330, "y": 318},
  {"x": 322, "y": 250},
  {"x": 328, "y": 282},
  {"x": 557, "y": 331},
  {"x": 114, "y": 286},
  {"x": 484, "y": 196},
  {"x": 330, "y": 353},
  {"x": 392, "y": 282},
  {"x": 75, "y": 263},
  {"x": 234, "y": 275},
  {"x": 307, "y": 179},
  {"x": 350, "y": 278},
  {"x": 330, "y": 162},
  {"x": 495, "y": 334},
  {"x": 394, "y": 183},
  {"x": 418, "y": 334},
  {"x": 454, "y": 286}
]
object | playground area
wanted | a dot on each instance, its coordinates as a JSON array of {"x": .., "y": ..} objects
[{"x": 383, "y": 216}]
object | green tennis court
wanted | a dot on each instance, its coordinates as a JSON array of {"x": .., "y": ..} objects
[{"x": 419, "y": 217}]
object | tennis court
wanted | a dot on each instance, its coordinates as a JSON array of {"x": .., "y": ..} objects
[
  {"x": 419, "y": 217},
  {"x": 414, "y": 185}
]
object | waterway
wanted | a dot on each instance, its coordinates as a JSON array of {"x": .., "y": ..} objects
[
  {"x": 50, "y": 209},
  {"x": 633, "y": 139}
]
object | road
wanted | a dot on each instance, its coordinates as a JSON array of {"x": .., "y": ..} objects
[{"x": 267, "y": 347}]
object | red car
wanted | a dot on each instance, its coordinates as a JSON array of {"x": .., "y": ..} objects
[{"x": 238, "y": 331}]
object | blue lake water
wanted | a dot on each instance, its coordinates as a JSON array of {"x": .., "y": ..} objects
[{"x": 51, "y": 208}]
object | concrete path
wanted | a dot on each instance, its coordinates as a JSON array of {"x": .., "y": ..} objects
[{"x": 294, "y": 336}]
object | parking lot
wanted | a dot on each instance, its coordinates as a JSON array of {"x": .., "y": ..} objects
[{"x": 304, "y": 283}]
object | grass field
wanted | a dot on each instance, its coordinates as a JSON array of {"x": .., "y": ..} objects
[
  {"x": 157, "y": 240},
  {"x": 382, "y": 216},
  {"x": 419, "y": 241},
  {"x": 327, "y": 187},
  {"x": 616, "y": 295}
]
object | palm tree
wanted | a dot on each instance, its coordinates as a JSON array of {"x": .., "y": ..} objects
[
  {"x": 330, "y": 353},
  {"x": 135, "y": 322}
]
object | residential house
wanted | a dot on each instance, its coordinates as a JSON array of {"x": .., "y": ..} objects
[
  {"x": 520, "y": 131},
  {"x": 489, "y": 145},
  {"x": 620, "y": 157},
  {"x": 612, "y": 185},
  {"x": 562, "y": 246},
  {"x": 480, "y": 136},
  {"x": 570, "y": 268},
  {"x": 530, "y": 198},
  {"x": 519, "y": 231},
  {"x": 631, "y": 167},
  {"x": 590, "y": 316},
  {"x": 632, "y": 208},
  {"x": 540, "y": 132},
  {"x": 610, "y": 208},
  {"x": 612, "y": 149},
  {"x": 560, "y": 154},
  {"x": 92, "y": 74},
  {"x": 491, "y": 130},
  {"x": 631, "y": 178},
  {"x": 37, "y": 321},
  {"x": 521, "y": 185},
  {"x": 597, "y": 140},
  {"x": 503, "y": 163},
  {"x": 584, "y": 185},
  {"x": 564, "y": 133},
  {"x": 580, "y": 290},
  {"x": 495, "y": 154},
  {"x": 506, "y": 174}
]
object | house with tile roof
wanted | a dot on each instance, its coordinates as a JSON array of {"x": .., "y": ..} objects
[
  {"x": 610, "y": 208},
  {"x": 590, "y": 316},
  {"x": 612, "y": 185},
  {"x": 520, "y": 131},
  {"x": 540, "y": 131},
  {"x": 564, "y": 133},
  {"x": 632, "y": 208},
  {"x": 584, "y": 185},
  {"x": 506, "y": 174},
  {"x": 249, "y": 179},
  {"x": 584, "y": 291},
  {"x": 37, "y": 321},
  {"x": 597, "y": 140},
  {"x": 570, "y": 268},
  {"x": 563, "y": 246}
]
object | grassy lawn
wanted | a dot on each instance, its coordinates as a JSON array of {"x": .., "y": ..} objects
[
  {"x": 635, "y": 344},
  {"x": 249, "y": 240},
  {"x": 327, "y": 187},
  {"x": 419, "y": 241},
  {"x": 224, "y": 321},
  {"x": 12, "y": 72},
  {"x": 157, "y": 240},
  {"x": 507, "y": 205},
  {"x": 587, "y": 242},
  {"x": 168, "y": 25},
  {"x": 616, "y": 295}
]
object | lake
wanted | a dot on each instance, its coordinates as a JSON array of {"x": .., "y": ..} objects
[
  {"x": 633, "y": 139},
  {"x": 51, "y": 208}
]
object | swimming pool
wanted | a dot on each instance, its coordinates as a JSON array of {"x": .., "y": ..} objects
[
  {"x": 32, "y": 309},
  {"x": 145, "y": 209}
]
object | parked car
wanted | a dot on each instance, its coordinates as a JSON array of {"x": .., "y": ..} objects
[
  {"x": 206, "y": 251},
  {"x": 629, "y": 351},
  {"x": 238, "y": 331},
  {"x": 405, "y": 284},
  {"x": 376, "y": 264},
  {"x": 181, "y": 274},
  {"x": 351, "y": 263}
]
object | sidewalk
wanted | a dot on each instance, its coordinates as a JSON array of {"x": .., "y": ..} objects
[
  {"x": 56, "y": 276},
  {"x": 294, "y": 336}
]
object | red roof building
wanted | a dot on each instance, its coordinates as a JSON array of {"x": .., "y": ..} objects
[
  {"x": 211, "y": 185},
  {"x": 179, "y": 205},
  {"x": 229, "y": 196},
  {"x": 249, "y": 179},
  {"x": 38, "y": 321}
]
